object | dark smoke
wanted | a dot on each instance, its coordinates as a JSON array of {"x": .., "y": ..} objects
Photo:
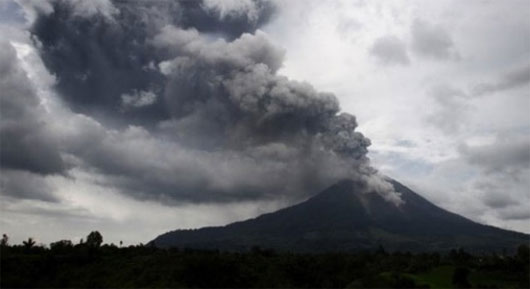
[
  {"x": 197, "y": 109},
  {"x": 101, "y": 55}
]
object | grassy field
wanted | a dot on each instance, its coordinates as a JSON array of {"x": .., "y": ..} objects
[{"x": 439, "y": 277}]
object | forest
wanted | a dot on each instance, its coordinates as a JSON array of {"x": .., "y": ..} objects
[{"x": 92, "y": 264}]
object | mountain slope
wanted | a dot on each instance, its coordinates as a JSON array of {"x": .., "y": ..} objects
[{"x": 343, "y": 218}]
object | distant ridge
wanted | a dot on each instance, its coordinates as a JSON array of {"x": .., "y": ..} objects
[{"x": 343, "y": 218}]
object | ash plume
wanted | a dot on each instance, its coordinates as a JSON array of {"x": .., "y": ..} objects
[{"x": 185, "y": 103}]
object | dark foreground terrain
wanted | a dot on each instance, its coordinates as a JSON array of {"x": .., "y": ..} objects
[{"x": 90, "y": 265}]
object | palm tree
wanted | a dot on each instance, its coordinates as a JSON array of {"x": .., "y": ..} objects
[{"x": 29, "y": 243}]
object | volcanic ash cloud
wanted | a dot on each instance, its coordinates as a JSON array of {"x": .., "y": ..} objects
[{"x": 189, "y": 106}]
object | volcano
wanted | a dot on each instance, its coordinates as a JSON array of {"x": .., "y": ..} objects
[{"x": 346, "y": 218}]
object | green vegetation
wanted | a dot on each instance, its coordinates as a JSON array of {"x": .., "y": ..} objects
[
  {"x": 93, "y": 264},
  {"x": 438, "y": 277}
]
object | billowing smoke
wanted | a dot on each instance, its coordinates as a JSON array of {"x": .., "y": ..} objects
[{"x": 181, "y": 101}]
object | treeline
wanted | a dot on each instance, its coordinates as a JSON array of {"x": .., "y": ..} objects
[{"x": 92, "y": 264}]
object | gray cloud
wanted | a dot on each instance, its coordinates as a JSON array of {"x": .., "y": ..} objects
[
  {"x": 504, "y": 179},
  {"x": 522, "y": 213},
  {"x": 510, "y": 155},
  {"x": 390, "y": 50},
  {"x": 494, "y": 195},
  {"x": 25, "y": 185},
  {"x": 513, "y": 79},
  {"x": 10, "y": 13},
  {"x": 432, "y": 41},
  {"x": 450, "y": 113},
  {"x": 348, "y": 25},
  {"x": 137, "y": 163},
  {"x": 25, "y": 140}
]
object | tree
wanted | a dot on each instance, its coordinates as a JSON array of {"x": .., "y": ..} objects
[
  {"x": 29, "y": 243},
  {"x": 4, "y": 241},
  {"x": 94, "y": 239},
  {"x": 61, "y": 246},
  {"x": 523, "y": 253}
]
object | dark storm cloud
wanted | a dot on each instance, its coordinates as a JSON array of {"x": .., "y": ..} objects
[
  {"x": 25, "y": 143},
  {"x": 98, "y": 49},
  {"x": 203, "y": 118},
  {"x": 432, "y": 41},
  {"x": 96, "y": 58},
  {"x": 390, "y": 50}
]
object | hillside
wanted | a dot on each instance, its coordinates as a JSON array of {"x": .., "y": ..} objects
[{"x": 343, "y": 218}]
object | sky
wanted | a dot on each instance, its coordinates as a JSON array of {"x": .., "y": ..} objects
[{"x": 139, "y": 117}]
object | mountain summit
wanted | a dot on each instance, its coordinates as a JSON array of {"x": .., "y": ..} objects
[{"x": 344, "y": 218}]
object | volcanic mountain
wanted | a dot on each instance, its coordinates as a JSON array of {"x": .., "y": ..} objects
[{"x": 344, "y": 218}]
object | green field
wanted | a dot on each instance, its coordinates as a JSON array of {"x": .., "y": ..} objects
[{"x": 439, "y": 277}]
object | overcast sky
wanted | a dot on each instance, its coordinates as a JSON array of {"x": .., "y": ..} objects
[{"x": 135, "y": 118}]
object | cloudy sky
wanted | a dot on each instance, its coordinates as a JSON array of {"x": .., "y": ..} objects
[{"x": 139, "y": 117}]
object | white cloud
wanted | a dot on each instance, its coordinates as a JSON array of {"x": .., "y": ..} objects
[
  {"x": 231, "y": 8},
  {"x": 138, "y": 99},
  {"x": 427, "y": 103}
]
